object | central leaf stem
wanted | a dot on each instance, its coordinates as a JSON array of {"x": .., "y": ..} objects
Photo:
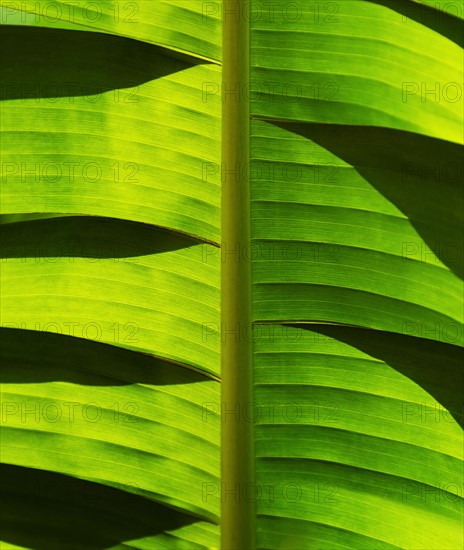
[{"x": 238, "y": 490}]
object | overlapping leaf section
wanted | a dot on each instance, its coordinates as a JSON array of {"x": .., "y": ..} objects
[
  {"x": 192, "y": 26},
  {"x": 111, "y": 190},
  {"x": 357, "y": 226}
]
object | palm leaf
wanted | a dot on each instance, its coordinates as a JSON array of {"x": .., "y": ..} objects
[{"x": 340, "y": 417}]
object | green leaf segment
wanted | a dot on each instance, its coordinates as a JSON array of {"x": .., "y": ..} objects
[{"x": 232, "y": 261}]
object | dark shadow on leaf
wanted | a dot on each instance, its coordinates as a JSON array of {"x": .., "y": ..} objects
[
  {"x": 443, "y": 20},
  {"x": 435, "y": 366},
  {"x": 30, "y": 356},
  {"x": 44, "y": 510},
  {"x": 54, "y": 63},
  {"x": 421, "y": 176},
  {"x": 87, "y": 237}
]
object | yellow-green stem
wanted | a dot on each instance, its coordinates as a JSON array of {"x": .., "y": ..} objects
[{"x": 238, "y": 514}]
